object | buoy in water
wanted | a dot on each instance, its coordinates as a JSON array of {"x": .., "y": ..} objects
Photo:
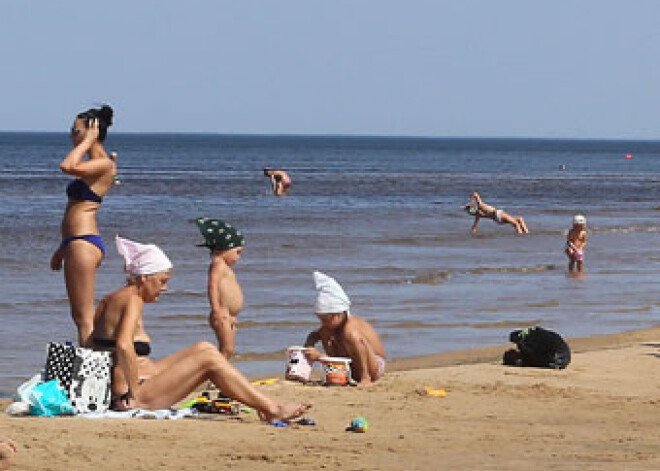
[{"x": 628, "y": 156}]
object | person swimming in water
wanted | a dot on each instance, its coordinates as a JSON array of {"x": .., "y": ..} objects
[
  {"x": 279, "y": 180},
  {"x": 477, "y": 208}
]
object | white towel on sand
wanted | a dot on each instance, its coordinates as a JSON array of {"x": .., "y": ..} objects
[{"x": 170, "y": 414}]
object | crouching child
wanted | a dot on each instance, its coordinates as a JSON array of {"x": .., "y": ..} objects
[{"x": 344, "y": 334}]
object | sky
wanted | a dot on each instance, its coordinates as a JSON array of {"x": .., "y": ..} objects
[{"x": 463, "y": 68}]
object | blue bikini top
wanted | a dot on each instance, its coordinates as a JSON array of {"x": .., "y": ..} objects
[{"x": 78, "y": 190}]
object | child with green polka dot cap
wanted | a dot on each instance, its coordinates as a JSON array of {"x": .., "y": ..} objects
[{"x": 225, "y": 295}]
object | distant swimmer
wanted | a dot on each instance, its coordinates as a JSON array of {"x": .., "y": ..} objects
[
  {"x": 477, "y": 208},
  {"x": 576, "y": 242},
  {"x": 280, "y": 181}
]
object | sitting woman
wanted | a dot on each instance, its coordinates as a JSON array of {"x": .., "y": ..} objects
[
  {"x": 477, "y": 208},
  {"x": 138, "y": 381}
]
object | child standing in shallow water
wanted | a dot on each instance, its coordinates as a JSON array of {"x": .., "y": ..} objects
[
  {"x": 225, "y": 295},
  {"x": 576, "y": 241}
]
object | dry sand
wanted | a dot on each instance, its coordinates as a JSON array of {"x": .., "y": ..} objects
[{"x": 599, "y": 414}]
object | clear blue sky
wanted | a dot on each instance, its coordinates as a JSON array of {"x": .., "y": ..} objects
[{"x": 582, "y": 69}]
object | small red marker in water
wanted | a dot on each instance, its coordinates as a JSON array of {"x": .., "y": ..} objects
[{"x": 628, "y": 156}]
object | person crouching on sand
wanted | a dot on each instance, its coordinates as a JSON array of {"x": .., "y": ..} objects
[
  {"x": 344, "y": 334},
  {"x": 138, "y": 381},
  {"x": 477, "y": 208},
  {"x": 576, "y": 242},
  {"x": 225, "y": 296}
]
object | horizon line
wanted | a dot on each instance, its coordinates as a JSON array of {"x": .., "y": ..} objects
[{"x": 351, "y": 136}]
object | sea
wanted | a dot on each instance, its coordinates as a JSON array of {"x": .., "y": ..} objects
[{"x": 382, "y": 215}]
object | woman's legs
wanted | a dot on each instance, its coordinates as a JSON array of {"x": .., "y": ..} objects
[
  {"x": 80, "y": 263},
  {"x": 182, "y": 372}
]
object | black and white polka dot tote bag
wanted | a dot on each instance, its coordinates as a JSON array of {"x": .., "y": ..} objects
[{"x": 84, "y": 374}]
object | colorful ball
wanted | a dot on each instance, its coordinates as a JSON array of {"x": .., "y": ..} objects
[{"x": 359, "y": 424}]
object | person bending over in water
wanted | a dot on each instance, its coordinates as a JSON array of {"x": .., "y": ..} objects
[
  {"x": 576, "y": 242},
  {"x": 82, "y": 248},
  {"x": 477, "y": 208},
  {"x": 279, "y": 180},
  {"x": 225, "y": 296},
  {"x": 139, "y": 382},
  {"x": 344, "y": 334}
]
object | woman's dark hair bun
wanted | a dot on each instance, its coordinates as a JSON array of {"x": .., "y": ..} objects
[{"x": 105, "y": 114}]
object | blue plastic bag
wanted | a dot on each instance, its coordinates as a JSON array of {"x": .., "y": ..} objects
[{"x": 49, "y": 399}]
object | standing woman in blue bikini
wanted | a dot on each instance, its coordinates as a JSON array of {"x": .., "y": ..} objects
[{"x": 82, "y": 248}]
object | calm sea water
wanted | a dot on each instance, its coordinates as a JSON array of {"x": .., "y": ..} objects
[{"x": 382, "y": 215}]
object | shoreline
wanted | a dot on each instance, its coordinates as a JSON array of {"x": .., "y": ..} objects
[
  {"x": 493, "y": 353},
  {"x": 486, "y": 354}
]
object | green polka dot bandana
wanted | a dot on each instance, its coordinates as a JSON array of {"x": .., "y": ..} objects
[{"x": 218, "y": 235}]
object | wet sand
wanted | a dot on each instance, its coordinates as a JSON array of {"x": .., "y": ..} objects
[{"x": 599, "y": 414}]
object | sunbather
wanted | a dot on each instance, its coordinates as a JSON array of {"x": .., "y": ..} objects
[{"x": 138, "y": 381}]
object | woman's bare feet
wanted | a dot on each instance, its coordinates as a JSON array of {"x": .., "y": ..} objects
[
  {"x": 285, "y": 412},
  {"x": 7, "y": 451}
]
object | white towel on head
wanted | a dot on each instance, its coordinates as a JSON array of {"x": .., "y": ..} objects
[
  {"x": 330, "y": 297},
  {"x": 142, "y": 259}
]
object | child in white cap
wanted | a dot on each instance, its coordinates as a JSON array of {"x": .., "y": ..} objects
[
  {"x": 344, "y": 334},
  {"x": 576, "y": 242}
]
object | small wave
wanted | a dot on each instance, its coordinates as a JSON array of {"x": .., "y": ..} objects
[
  {"x": 276, "y": 324},
  {"x": 627, "y": 310},
  {"x": 258, "y": 356},
  {"x": 305, "y": 306},
  {"x": 431, "y": 278},
  {"x": 54, "y": 302},
  {"x": 442, "y": 276},
  {"x": 186, "y": 293},
  {"x": 553, "y": 303},
  {"x": 625, "y": 230},
  {"x": 183, "y": 317},
  {"x": 203, "y": 320},
  {"x": 506, "y": 324},
  {"x": 530, "y": 269}
]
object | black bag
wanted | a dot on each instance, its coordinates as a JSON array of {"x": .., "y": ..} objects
[{"x": 538, "y": 347}]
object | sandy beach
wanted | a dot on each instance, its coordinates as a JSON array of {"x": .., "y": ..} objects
[{"x": 598, "y": 414}]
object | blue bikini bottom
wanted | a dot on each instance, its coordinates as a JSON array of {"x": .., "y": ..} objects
[{"x": 91, "y": 238}]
